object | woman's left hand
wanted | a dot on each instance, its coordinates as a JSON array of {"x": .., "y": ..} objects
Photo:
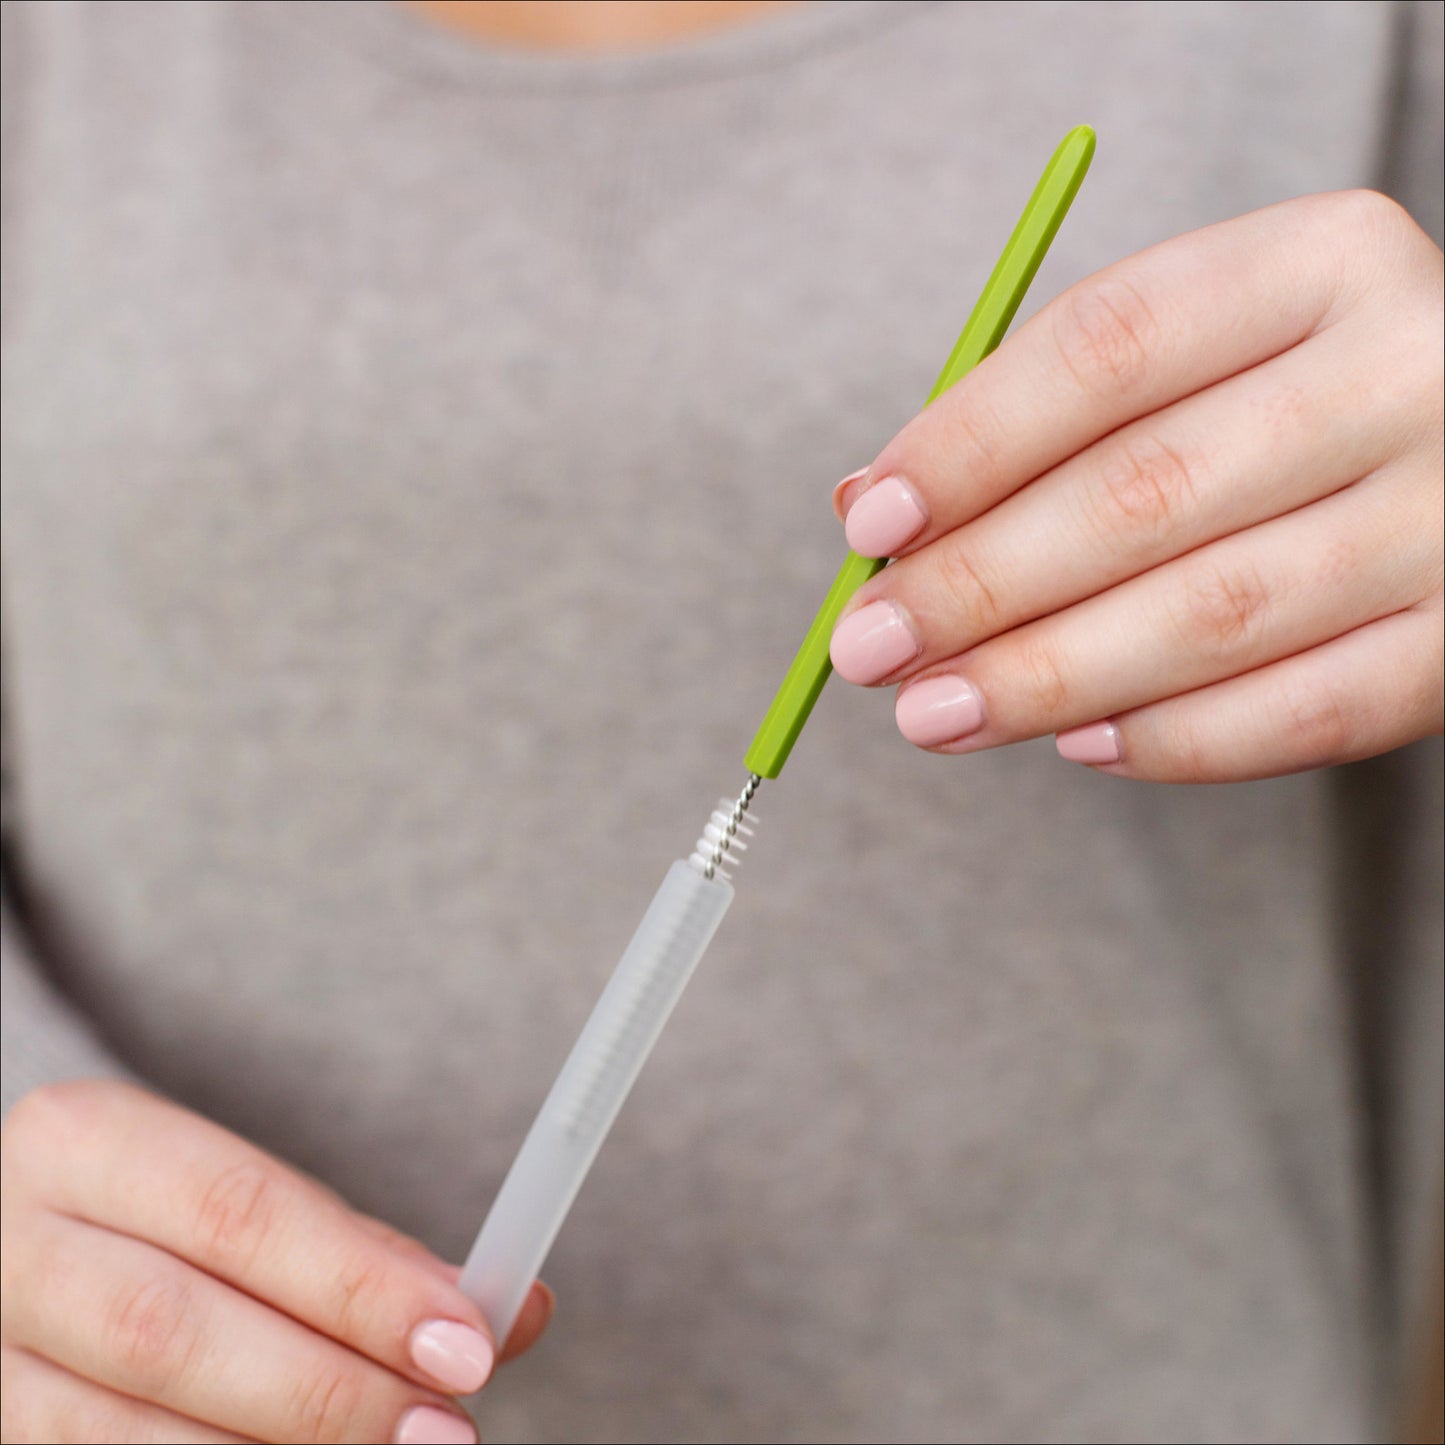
[{"x": 1189, "y": 517}]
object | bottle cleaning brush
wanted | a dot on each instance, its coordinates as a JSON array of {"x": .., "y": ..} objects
[{"x": 687, "y": 909}]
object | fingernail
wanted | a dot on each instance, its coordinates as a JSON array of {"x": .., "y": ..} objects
[
  {"x": 840, "y": 511},
  {"x": 884, "y": 518},
  {"x": 455, "y": 1355},
  {"x": 1092, "y": 743},
  {"x": 426, "y": 1425},
  {"x": 871, "y": 643},
  {"x": 938, "y": 710}
]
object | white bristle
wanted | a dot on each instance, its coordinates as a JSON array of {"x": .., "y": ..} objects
[{"x": 722, "y": 836}]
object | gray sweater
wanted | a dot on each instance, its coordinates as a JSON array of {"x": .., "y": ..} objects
[{"x": 416, "y": 470}]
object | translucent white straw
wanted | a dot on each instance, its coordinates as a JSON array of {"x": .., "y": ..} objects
[{"x": 605, "y": 1061}]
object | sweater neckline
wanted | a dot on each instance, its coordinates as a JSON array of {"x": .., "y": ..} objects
[{"x": 402, "y": 38}]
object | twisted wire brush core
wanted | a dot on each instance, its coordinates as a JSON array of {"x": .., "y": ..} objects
[{"x": 721, "y": 838}]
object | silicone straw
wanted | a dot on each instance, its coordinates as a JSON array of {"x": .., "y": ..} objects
[
  {"x": 982, "y": 332},
  {"x": 601, "y": 1069}
]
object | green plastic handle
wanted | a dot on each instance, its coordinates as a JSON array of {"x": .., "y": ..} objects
[{"x": 983, "y": 331}]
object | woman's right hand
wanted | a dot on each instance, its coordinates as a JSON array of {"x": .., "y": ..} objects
[{"x": 162, "y": 1279}]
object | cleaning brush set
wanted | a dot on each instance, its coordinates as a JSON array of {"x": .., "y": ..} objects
[{"x": 695, "y": 894}]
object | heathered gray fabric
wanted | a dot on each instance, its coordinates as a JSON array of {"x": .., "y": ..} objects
[{"x": 416, "y": 473}]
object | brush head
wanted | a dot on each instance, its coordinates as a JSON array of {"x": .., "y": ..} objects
[{"x": 722, "y": 838}]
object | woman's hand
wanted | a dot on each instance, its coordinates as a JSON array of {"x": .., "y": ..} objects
[
  {"x": 1188, "y": 517},
  {"x": 164, "y": 1280}
]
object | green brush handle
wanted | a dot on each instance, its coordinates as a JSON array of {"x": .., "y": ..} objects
[{"x": 982, "y": 332}]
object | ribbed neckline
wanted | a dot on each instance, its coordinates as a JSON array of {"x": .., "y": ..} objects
[{"x": 399, "y": 37}]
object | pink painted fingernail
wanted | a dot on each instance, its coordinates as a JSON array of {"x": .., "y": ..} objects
[
  {"x": 884, "y": 518},
  {"x": 839, "y": 510},
  {"x": 938, "y": 710},
  {"x": 426, "y": 1425},
  {"x": 456, "y": 1356},
  {"x": 872, "y": 642},
  {"x": 1093, "y": 743}
]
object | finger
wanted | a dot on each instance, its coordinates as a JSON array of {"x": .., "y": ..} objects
[
  {"x": 1354, "y": 697},
  {"x": 135, "y": 1319},
  {"x": 404, "y": 1244},
  {"x": 379, "y": 1229},
  {"x": 1250, "y": 599},
  {"x": 532, "y": 1321},
  {"x": 44, "y": 1402},
  {"x": 180, "y": 1182},
  {"x": 1249, "y": 449},
  {"x": 1136, "y": 336},
  {"x": 537, "y": 1308}
]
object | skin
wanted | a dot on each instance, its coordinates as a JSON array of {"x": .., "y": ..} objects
[
  {"x": 165, "y": 1280},
  {"x": 593, "y": 25},
  {"x": 1198, "y": 495}
]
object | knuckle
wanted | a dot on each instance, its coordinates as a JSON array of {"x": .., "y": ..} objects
[
  {"x": 21, "y": 1141},
  {"x": 1107, "y": 335},
  {"x": 326, "y": 1404},
  {"x": 1320, "y": 722},
  {"x": 359, "y": 1298},
  {"x": 1373, "y": 239},
  {"x": 1146, "y": 485},
  {"x": 1372, "y": 211},
  {"x": 975, "y": 439},
  {"x": 1225, "y": 610},
  {"x": 66, "y": 1098},
  {"x": 48, "y": 1112},
  {"x": 53, "y": 1123},
  {"x": 1045, "y": 681},
  {"x": 153, "y": 1329},
  {"x": 1339, "y": 561},
  {"x": 27, "y": 1122},
  {"x": 1187, "y": 745},
  {"x": 236, "y": 1210},
  {"x": 1288, "y": 409},
  {"x": 967, "y": 590}
]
